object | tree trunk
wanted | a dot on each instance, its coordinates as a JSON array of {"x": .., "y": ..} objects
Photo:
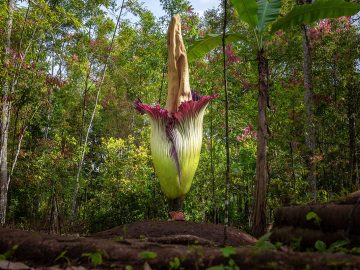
[
  {"x": 54, "y": 224},
  {"x": 352, "y": 135},
  {"x": 5, "y": 117},
  {"x": 212, "y": 169},
  {"x": 309, "y": 110},
  {"x": 227, "y": 145},
  {"x": 259, "y": 214}
]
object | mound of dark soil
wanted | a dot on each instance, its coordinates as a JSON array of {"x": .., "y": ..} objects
[{"x": 178, "y": 232}]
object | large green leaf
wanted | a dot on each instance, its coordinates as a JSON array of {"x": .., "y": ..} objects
[
  {"x": 268, "y": 11},
  {"x": 204, "y": 45},
  {"x": 320, "y": 9},
  {"x": 247, "y": 11}
]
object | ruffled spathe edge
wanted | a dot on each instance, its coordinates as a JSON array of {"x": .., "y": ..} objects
[{"x": 186, "y": 109}]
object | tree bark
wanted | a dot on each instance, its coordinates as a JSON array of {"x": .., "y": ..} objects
[
  {"x": 354, "y": 181},
  {"x": 227, "y": 144},
  {"x": 5, "y": 117},
  {"x": 212, "y": 169},
  {"x": 310, "y": 137},
  {"x": 259, "y": 213}
]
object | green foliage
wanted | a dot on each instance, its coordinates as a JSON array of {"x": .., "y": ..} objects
[
  {"x": 94, "y": 257},
  {"x": 62, "y": 256},
  {"x": 263, "y": 243},
  {"x": 174, "y": 263},
  {"x": 228, "y": 251},
  {"x": 312, "y": 216},
  {"x": 296, "y": 244},
  {"x": 202, "y": 46},
  {"x": 338, "y": 246},
  {"x": 355, "y": 250},
  {"x": 147, "y": 255},
  {"x": 216, "y": 267},
  {"x": 268, "y": 11},
  {"x": 6, "y": 255},
  {"x": 318, "y": 10},
  {"x": 320, "y": 246},
  {"x": 247, "y": 11},
  {"x": 231, "y": 266},
  {"x": 173, "y": 7}
]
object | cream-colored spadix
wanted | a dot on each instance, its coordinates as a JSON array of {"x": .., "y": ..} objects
[{"x": 178, "y": 70}]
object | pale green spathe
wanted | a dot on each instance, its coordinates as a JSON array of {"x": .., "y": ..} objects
[{"x": 187, "y": 137}]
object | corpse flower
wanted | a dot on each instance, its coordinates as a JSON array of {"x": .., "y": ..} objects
[{"x": 176, "y": 130}]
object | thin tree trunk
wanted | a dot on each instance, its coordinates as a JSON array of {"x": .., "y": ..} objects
[
  {"x": 86, "y": 89},
  {"x": 310, "y": 117},
  {"x": 21, "y": 137},
  {"x": 292, "y": 164},
  {"x": 227, "y": 147},
  {"x": 352, "y": 136},
  {"x": 50, "y": 109},
  {"x": 5, "y": 118},
  {"x": 291, "y": 145},
  {"x": 212, "y": 170},
  {"x": 246, "y": 206},
  {"x": 310, "y": 139},
  {"x": 54, "y": 224},
  {"x": 259, "y": 213}
]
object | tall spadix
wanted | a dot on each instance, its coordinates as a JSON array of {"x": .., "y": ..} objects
[
  {"x": 178, "y": 70},
  {"x": 176, "y": 131}
]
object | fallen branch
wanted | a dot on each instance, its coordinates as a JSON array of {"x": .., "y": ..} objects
[{"x": 332, "y": 217}]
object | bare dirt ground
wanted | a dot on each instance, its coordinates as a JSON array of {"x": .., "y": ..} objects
[{"x": 155, "y": 245}]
